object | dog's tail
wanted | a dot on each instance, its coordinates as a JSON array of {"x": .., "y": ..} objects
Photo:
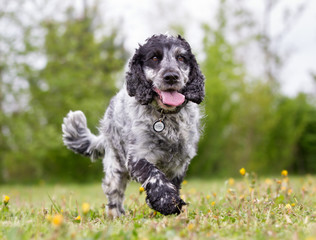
[{"x": 78, "y": 137}]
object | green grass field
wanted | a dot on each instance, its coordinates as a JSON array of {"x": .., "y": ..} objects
[{"x": 245, "y": 208}]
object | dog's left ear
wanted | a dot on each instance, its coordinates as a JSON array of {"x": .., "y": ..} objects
[
  {"x": 194, "y": 89},
  {"x": 136, "y": 83}
]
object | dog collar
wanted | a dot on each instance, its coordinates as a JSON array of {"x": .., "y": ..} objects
[
  {"x": 176, "y": 110},
  {"x": 159, "y": 125}
]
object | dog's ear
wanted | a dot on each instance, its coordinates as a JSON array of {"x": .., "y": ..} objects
[
  {"x": 194, "y": 89},
  {"x": 136, "y": 82}
]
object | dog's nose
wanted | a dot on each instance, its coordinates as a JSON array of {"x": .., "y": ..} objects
[{"x": 171, "y": 77}]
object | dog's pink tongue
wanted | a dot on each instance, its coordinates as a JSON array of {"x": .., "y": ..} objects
[{"x": 172, "y": 98}]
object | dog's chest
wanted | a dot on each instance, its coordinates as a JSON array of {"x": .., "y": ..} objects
[{"x": 173, "y": 147}]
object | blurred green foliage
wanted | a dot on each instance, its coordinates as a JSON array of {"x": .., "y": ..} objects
[
  {"x": 247, "y": 123},
  {"x": 79, "y": 75}
]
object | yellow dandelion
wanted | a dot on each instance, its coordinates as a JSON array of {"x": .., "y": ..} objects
[
  {"x": 191, "y": 226},
  {"x": 268, "y": 181},
  {"x": 293, "y": 204},
  {"x": 231, "y": 191},
  {"x": 78, "y": 218},
  {"x": 289, "y": 191},
  {"x": 6, "y": 199},
  {"x": 242, "y": 171},
  {"x": 212, "y": 203},
  {"x": 57, "y": 220},
  {"x": 185, "y": 182},
  {"x": 288, "y": 206},
  {"x": 284, "y": 173},
  {"x": 283, "y": 188},
  {"x": 231, "y": 181},
  {"x": 49, "y": 217},
  {"x": 214, "y": 194},
  {"x": 85, "y": 208},
  {"x": 141, "y": 189},
  {"x": 208, "y": 197}
]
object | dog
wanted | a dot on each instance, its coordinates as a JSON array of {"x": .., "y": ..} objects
[{"x": 151, "y": 128}]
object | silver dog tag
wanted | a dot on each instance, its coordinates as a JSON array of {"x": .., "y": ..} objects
[{"x": 159, "y": 126}]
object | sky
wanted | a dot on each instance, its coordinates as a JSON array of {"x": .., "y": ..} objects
[{"x": 139, "y": 19}]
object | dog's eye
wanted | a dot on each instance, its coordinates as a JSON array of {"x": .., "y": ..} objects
[
  {"x": 180, "y": 59},
  {"x": 155, "y": 59}
]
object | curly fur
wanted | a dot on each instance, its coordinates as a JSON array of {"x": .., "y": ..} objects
[{"x": 127, "y": 142}]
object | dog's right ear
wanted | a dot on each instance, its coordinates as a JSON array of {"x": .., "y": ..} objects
[{"x": 136, "y": 82}]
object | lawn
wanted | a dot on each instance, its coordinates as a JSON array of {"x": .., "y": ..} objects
[{"x": 243, "y": 208}]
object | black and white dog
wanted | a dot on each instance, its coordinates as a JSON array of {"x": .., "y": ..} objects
[{"x": 151, "y": 128}]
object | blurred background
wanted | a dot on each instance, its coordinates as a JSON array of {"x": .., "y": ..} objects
[{"x": 258, "y": 58}]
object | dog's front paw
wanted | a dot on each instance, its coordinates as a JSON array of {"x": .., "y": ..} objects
[{"x": 164, "y": 198}]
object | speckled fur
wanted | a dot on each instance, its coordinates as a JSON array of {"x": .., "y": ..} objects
[{"x": 127, "y": 142}]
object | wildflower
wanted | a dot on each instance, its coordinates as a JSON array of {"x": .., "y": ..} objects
[
  {"x": 6, "y": 199},
  {"x": 242, "y": 171},
  {"x": 85, "y": 208},
  {"x": 57, "y": 220},
  {"x": 141, "y": 189},
  {"x": 212, "y": 203},
  {"x": 208, "y": 197},
  {"x": 284, "y": 173},
  {"x": 288, "y": 206},
  {"x": 214, "y": 194},
  {"x": 78, "y": 218},
  {"x": 231, "y": 181},
  {"x": 191, "y": 226},
  {"x": 293, "y": 204},
  {"x": 231, "y": 191},
  {"x": 283, "y": 188},
  {"x": 49, "y": 217},
  {"x": 185, "y": 182},
  {"x": 268, "y": 181},
  {"x": 289, "y": 191}
]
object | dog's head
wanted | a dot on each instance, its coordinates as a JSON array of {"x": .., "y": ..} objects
[{"x": 164, "y": 69}]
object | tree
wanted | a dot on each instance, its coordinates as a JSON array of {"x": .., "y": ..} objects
[{"x": 79, "y": 74}]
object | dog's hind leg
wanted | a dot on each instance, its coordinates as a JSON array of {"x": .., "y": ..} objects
[{"x": 114, "y": 185}]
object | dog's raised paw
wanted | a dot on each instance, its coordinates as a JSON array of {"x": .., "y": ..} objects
[{"x": 164, "y": 199}]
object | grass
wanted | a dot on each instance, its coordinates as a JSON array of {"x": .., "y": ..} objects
[{"x": 247, "y": 208}]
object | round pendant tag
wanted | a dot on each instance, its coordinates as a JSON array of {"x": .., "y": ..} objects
[{"x": 159, "y": 126}]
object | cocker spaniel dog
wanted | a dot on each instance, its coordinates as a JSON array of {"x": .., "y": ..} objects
[{"x": 151, "y": 128}]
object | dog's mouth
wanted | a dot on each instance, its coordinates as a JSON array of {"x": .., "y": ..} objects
[{"x": 170, "y": 98}]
